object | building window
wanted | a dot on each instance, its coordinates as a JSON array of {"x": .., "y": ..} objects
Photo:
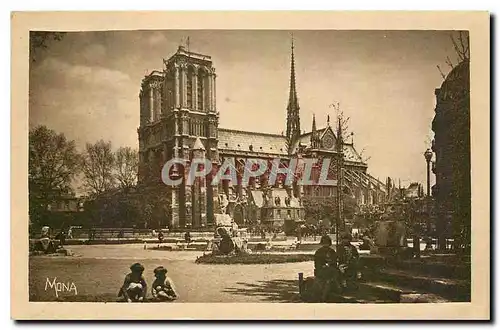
[
  {"x": 189, "y": 87},
  {"x": 200, "y": 87},
  {"x": 156, "y": 104}
]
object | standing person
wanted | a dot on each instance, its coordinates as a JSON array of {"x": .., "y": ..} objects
[
  {"x": 134, "y": 286},
  {"x": 325, "y": 268},
  {"x": 70, "y": 233},
  {"x": 187, "y": 237},
  {"x": 348, "y": 260},
  {"x": 61, "y": 236},
  {"x": 163, "y": 288},
  {"x": 160, "y": 236},
  {"x": 299, "y": 233}
]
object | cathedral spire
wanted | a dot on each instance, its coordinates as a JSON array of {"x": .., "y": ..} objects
[
  {"x": 293, "y": 118},
  {"x": 314, "y": 134}
]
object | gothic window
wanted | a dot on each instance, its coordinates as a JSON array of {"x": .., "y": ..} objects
[
  {"x": 199, "y": 92},
  {"x": 170, "y": 92},
  {"x": 156, "y": 104},
  {"x": 189, "y": 87}
]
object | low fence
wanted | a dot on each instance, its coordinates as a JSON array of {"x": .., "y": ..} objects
[{"x": 108, "y": 233}]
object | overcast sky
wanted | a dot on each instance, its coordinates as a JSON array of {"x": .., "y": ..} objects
[{"x": 87, "y": 85}]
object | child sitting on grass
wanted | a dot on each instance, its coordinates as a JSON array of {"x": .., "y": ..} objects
[
  {"x": 134, "y": 286},
  {"x": 163, "y": 288}
]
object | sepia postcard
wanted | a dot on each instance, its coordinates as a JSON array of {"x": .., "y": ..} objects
[{"x": 250, "y": 165}]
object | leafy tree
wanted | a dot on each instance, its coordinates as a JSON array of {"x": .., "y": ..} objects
[
  {"x": 127, "y": 166},
  {"x": 138, "y": 206},
  {"x": 325, "y": 207},
  {"x": 97, "y": 166},
  {"x": 319, "y": 208},
  {"x": 40, "y": 40},
  {"x": 52, "y": 165},
  {"x": 155, "y": 203}
]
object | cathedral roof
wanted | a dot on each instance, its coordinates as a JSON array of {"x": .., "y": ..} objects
[
  {"x": 244, "y": 141},
  {"x": 305, "y": 139},
  {"x": 351, "y": 154}
]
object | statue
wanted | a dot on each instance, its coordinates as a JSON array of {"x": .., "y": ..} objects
[
  {"x": 45, "y": 232},
  {"x": 232, "y": 195},
  {"x": 223, "y": 202},
  {"x": 266, "y": 195}
]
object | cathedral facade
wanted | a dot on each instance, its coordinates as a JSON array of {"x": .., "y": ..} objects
[{"x": 179, "y": 119}]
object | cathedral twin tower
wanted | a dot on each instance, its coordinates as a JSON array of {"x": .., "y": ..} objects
[
  {"x": 177, "y": 116},
  {"x": 179, "y": 119}
]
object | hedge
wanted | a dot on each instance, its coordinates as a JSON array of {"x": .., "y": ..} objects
[{"x": 256, "y": 258}]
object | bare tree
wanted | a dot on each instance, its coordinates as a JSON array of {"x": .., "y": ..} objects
[
  {"x": 127, "y": 166},
  {"x": 461, "y": 45},
  {"x": 52, "y": 165},
  {"x": 344, "y": 121},
  {"x": 97, "y": 166},
  {"x": 364, "y": 158},
  {"x": 462, "y": 50},
  {"x": 441, "y": 72}
]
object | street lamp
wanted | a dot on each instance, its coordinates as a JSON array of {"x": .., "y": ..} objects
[{"x": 428, "y": 156}]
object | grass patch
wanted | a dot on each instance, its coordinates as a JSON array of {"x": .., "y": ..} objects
[{"x": 257, "y": 258}]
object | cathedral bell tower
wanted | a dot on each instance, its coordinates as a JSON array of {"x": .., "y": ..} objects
[{"x": 190, "y": 109}]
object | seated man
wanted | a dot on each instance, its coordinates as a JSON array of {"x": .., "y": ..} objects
[
  {"x": 163, "y": 288},
  {"x": 134, "y": 286},
  {"x": 348, "y": 260},
  {"x": 325, "y": 268}
]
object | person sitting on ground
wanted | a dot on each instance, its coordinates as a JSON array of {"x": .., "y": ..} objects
[
  {"x": 348, "y": 260},
  {"x": 134, "y": 286},
  {"x": 325, "y": 268},
  {"x": 163, "y": 288}
]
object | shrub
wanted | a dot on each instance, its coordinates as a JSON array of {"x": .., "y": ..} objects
[{"x": 257, "y": 258}]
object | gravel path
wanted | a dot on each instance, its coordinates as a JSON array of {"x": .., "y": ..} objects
[{"x": 98, "y": 271}]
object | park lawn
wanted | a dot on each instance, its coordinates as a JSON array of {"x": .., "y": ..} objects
[{"x": 99, "y": 279}]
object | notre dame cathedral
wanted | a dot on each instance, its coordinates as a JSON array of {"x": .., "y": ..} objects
[{"x": 179, "y": 119}]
